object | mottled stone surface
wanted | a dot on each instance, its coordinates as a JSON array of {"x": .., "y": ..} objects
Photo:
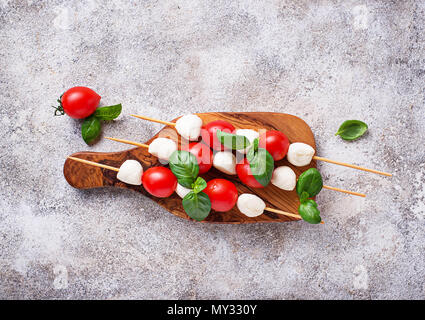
[{"x": 324, "y": 61}]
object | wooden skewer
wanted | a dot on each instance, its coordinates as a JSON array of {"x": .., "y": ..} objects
[
  {"x": 96, "y": 164},
  {"x": 154, "y": 120},
  {"x": 286, "y": 213},
  {"x": 297, "y": 216},
  {"x": 129, "y": 142},
  {"x": 315, "y": 157},
  {"x": 352, "y": 166}
]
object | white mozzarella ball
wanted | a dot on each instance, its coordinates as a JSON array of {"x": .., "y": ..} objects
[
  {"x": 131, "y": 172},
  {"x": 284, "y": 178},
  {"x": 300, "y": 154},
  {"x": 225, "y": 161},
  {"x": 251, "y": 135},
  {"x": 189, "y": 127},
  {"x": 250, "y": 205},
  {"x": 182, "y": 191},
  {"x": 162, "y": 148}
]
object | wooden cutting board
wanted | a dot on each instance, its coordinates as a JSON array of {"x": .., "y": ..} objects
[{"x": 83, "y": 176}]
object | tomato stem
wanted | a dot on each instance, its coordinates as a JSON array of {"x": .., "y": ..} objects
[{"x": 59, "y": 109}]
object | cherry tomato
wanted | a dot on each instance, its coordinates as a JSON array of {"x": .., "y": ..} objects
[
  {"x": 202, "y": 153},
  {"x": 209, "y": 135},
  {"x": 159, "y": 182},
  {"x": 79, "y": 102},
  {"x": 222, "y": 193},
  {"x": 276, "y": 143},
  {"x": 245, "y": 175}
]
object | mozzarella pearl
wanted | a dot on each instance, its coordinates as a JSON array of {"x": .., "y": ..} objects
[
  {"x": 250, "y": 205},
  {"x": 300, "y": 154},
  {"x": 284, "y": 178},
  {"x": 189, "y": 127},
  {"x": 131, "y": 172},
  {"x": 225, "y": 161},
  {"x": 251, "y": 135},
  {"x": 182, "y": 191},
  {"x": 162, "y": 148}
]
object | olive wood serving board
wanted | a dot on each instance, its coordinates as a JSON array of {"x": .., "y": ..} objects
[{"x": 83, "y": 176}]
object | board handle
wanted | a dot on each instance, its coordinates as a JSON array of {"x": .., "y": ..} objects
[{"x": 84, "y": 176}]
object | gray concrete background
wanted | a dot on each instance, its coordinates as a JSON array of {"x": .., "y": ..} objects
[{"x": 324, "y": 61}]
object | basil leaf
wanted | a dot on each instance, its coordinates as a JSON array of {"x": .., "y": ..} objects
[
  {"x": 352, "y": 129},
  {"x": 108, "y": 113},
  {"x": 262, "y": 164},
  {"x": 185, "y": 167},
  {"x": 197, "y": 205},
  {"x": 199, "y": 185},
  {"x": 309, "y": 212},
  {"x": 232, "y": 141},
  {"x": 310, "y": 181},
  {"x": 90, "y": 129}
]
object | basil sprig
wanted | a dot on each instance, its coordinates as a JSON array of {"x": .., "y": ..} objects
[
  {"x": 309, "y": 184},
  {"x": 232, "y": 141},
  {"x": 199, "y": 185},
  {"x": 309, "y": 212},
  {"x": 185, "y": 167},
  {"x": 261, "y": 163},
  {"x": 352, "y": 129},
  {"x": 91, "y": 127}
]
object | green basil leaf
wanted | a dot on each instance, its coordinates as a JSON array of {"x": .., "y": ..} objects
[
  {"x": 309, "y": 212},
  {"x": 199, "y": 185},
  {"x": 185, "y": 167},
  {"x": 108, "y": 113},
  {"x": 90, "y": 129},
  {"x": 352, "y": 129},
  {"x": 197, "y": 205},
  {"x": 232, "y": 141},
  {"x": 262, "y": 164},
  {"x": 310, "y": 181}
]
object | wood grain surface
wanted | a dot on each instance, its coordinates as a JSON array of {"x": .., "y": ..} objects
[{"x": 83, "y": 176}]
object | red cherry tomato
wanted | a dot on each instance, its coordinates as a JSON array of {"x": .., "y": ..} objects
[
  {"x": 276, "y": 143},
  {"x": 79, "y": 102},
  {"x": 209, "y": 135},
  {"x": 202, "y": 153},
  {"x": 222, "y": 193},
  {"x": 159, "y": 182},
  {"x": 245, "y": 175}
]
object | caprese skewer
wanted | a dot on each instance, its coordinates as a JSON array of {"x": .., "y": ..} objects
[
  {"x": 161, "y": 182},
  {"x": 298, "y": 153},
  {"x": 283, "y": 177}
]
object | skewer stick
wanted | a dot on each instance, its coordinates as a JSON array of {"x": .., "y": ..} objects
[
  {"x": 154, "y": 120},
  {"x": 288, "y": 214},
  {"x": 297, "y": 216},
  {"x": 315, "y": 157},
  {"x": 94, "y": 164},
  {"x": 345, "y": 191},
  {"x": 129, "y": 142},
  {"x": 326, "y": 187},
  {"x": 352, "y": 166}
]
